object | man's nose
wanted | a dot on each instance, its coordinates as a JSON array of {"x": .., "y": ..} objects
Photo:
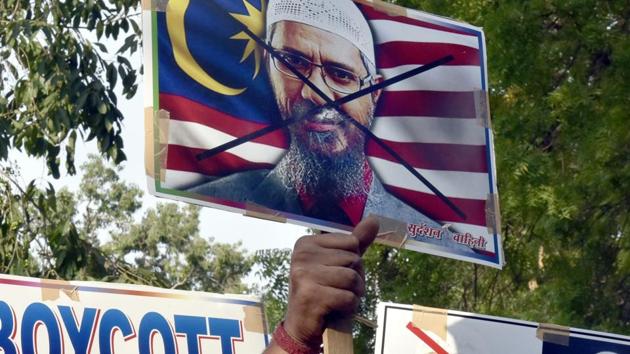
[{"x": 309, "y": 93}]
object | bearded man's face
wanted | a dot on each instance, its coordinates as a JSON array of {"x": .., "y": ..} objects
[
  {"x": 322, "y": 131},
  {"x": 326, "y": 156}
]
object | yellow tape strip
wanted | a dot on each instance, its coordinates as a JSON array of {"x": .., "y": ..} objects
[
  {"x": 391, "y": 232},
  {"x": 149, "y": 141},
  {"x": 154, "y": 159},
  {"x": 482, "y": 108},
  {"x": 493, "y": 214},
  {"x": 431, "y": 319},
  {"x": 254, "y": 320},
  {"x": 260, "y": 212},
  {"x": 555, "y": 334},
  {"x": 155, "y": 5},
  {"x": 164, "y": 123},
  {"x": 52, "y": 290},
  {"x": 390, "y": 9}
]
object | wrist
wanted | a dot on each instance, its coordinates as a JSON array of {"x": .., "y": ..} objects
[{"x": 293, "y": 345}]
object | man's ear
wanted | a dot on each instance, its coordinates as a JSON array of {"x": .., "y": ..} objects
[{"x": 377, "y": 94}]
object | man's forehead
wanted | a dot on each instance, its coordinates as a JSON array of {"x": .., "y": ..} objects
[{"x": 316, "y": 43}]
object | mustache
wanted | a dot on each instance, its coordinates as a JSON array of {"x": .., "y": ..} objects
[{"x": 307, "y": 110}]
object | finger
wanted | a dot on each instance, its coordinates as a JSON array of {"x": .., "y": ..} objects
[
  {"x": 339, "y": 300},
  {"x": 337, "y": 241},
  {"x": 365, "y": 232},
  {"x": 339, "y": 278},
  {"x": 336, "y": 257}
]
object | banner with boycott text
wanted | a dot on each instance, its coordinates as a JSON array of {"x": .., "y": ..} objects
[
  {"x": 323, "y": 112},
  {"x": 44, "y": 316}
]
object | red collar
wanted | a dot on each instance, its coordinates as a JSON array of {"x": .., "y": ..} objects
[{"x": 353, "y": 206}]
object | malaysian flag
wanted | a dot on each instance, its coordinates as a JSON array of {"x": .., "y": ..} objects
[{"x": 431, "y": 120}]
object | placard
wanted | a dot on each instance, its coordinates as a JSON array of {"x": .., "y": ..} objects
[
  {"x": 422, "y": 330},
  {"x": 323, "y": 112},
  {"x": 44, "y": 316}
]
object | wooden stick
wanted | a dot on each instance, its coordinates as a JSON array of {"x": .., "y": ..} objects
[{"x": 338, "y": 337}]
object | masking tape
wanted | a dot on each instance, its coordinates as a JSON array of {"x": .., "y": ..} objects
[
  {"x": 482, "y": 108},
  {"x": 430, "y": 319},
  {"x": 254, "y": 320},
  {"x": 260, "y": 212},
  {"x": 493, "y": 214},
  {"x": 390, "y": 9},
  {"x": 149, "y": 141},
  {"x": 155, "y": 5},
  {"x": 164, "y": 122},
  {"x": 391, "y": 232},
  {"x": 555, "y": 334},
  {"x": 52, "y": 289}
]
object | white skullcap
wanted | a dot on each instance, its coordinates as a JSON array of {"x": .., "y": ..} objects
[{"x": 341, "y": 17}]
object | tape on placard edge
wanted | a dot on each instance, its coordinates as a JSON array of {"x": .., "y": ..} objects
[
  {"x": 155, "y": 5},
  {"x": 555, "y": 334},
  {"x": 391, "y": 232},
  {"x": 482, "y": 108},
  {"x": 430, "y": 319},
  {"x": 52, "y": 289},
  {"x": 493, "y": 214},
  {"x": 152, "y": 157},
  {"x": 149, "y": 141},
  {"x": 254, "y": 321},
  {"x": 260, "y": 212},
  {"x": 390, "y": 9}
]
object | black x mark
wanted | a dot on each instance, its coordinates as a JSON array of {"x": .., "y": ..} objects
[{"x": 336, "y": 104}]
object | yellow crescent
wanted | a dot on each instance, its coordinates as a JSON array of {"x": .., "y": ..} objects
[{"x": 175, "y": 22}]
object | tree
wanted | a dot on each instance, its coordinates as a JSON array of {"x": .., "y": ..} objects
[
  {"x": 57, "y": 84},
  {"x": 274, "y": 273},
  {"x": 63, "y": 238},
  {"x": 168, "y": 251}
]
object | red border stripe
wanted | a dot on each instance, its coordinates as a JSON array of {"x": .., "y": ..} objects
[
  {"x": 426, "y": 339},
  {"x": 393, "y": 54},
  {"x": 427, "y": 104},
  {"x": 443, "y": 157}
]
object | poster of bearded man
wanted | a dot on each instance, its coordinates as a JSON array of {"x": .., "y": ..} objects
[{"x": 322, "y": 113}]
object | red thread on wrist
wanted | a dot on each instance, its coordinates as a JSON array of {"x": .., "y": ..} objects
[{"x": 291, "y": 345}]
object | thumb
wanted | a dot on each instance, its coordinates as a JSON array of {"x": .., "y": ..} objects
[{"x": 366, "y": 232}]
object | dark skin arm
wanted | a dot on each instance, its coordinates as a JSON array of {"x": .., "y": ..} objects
[{"x": 326, "y": 281}]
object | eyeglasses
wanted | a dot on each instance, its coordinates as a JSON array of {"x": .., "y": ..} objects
[{"x": 336, "y": 78}]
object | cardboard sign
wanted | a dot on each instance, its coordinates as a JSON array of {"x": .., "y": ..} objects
[
  {"x": 43, "y": 316},
  {"x": 323, "y": 112},
  {"x": 422, "y": 330}
]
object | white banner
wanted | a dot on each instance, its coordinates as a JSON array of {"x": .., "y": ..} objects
[
  {"x": 421, "y": 330},
  {"x": 43, "y": 316}
]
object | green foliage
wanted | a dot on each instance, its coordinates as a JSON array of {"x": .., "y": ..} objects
[
  {"x": 57, "y": 81},
  {"x": 274, "y": 273},
  {"x": 52, "y": 234},
  {"x": 168, "y": 251}
]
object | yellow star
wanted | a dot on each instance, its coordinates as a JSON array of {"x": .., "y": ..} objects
[{"x": 255, "y": 22}]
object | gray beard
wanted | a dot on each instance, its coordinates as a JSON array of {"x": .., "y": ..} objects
[
  {"x": 332, "y": 178},
  {"x": 327, "y": 177}
]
